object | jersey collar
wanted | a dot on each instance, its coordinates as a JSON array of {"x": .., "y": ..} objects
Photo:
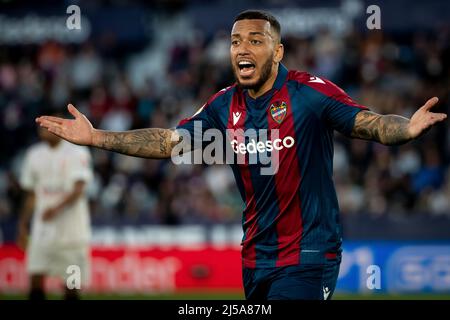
[
  {"x": 281, "y": 77},
  {"x": 277, "y": 85}
]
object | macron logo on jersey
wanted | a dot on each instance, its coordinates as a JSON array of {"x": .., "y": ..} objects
[
  {"x": 236, "y": 116},
  {"x": 316, "y": 80},
  {"x": 326, "y": 293}
]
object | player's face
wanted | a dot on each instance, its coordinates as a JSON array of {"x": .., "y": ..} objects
[{"x": 255, "y": 51}]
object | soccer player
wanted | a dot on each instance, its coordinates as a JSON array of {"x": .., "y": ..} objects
[
  {"x": 291, "y": 247},
  {"x": 54, "y": 175}
]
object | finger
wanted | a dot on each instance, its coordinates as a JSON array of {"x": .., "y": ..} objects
[
  {"x": 431, "y": 122},
  {"x": 430, "y": 103},
  {"x": 55, "y": 129},
  {"x": 438, "y": 118},
  {"x": 50, "y": 118},
  {"x": 49, "y": 123},
  {"x": 74, "y": 111}
]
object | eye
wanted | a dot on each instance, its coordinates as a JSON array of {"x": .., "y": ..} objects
[
  {"x": 255, "y": 42},
  {"x": 234, "y": 42}
]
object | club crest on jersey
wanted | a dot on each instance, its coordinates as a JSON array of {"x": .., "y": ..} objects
[{"x": 278, "y": 111}]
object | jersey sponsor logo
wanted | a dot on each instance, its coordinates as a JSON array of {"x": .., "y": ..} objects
[
  {"x": 242, "y": 147},
  {"x": 236, "y": 116},
  {"x": 278, "y": 111},
  {"x": 262, "y": 146},
  {"x": 316, "y": 80}
]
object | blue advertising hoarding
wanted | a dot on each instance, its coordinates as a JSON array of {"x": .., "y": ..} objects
[{"x": 394, "y": 267}]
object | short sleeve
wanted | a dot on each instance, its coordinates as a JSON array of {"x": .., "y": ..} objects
[
  {"x": 27, "y": 177},
  {"x": 337, "y": 109},
  {"x": 200, "y": 120},
  {"x": 80, "y": 166}
]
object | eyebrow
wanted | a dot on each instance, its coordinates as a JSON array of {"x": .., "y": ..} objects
[
  {"x": 253, "y": 33},
  {"x": 257, "y": 33}
]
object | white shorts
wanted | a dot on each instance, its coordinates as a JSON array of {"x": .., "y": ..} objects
[{"x": 56, "y": 261}]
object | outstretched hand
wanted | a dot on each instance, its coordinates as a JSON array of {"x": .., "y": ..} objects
[
  {"x": 78, "y": 130},
  {"x": 423, "y": 119}
]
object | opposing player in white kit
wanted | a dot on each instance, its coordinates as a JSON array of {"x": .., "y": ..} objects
[{"x": 55, "y": 174}]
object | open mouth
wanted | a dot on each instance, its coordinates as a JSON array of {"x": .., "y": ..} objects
[{"x": 246, "y": 68}]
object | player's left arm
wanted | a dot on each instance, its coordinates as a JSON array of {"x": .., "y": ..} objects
[
  {"x": 67, "y": 201},
  {"x": 394, "y": 129}
]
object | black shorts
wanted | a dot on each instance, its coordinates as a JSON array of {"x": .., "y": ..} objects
[{"x": 299, "y": 282}]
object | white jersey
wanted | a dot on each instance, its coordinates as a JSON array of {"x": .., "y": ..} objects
[{"x": 51, "y": 173}]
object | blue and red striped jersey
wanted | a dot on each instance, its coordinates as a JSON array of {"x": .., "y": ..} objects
[{"x": 292, "y": 215}]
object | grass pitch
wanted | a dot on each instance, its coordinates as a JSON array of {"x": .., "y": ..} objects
[{"x": 231, "y": 296}]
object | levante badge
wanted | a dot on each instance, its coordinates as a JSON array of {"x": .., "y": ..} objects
[{"x": 278, "y": 111}]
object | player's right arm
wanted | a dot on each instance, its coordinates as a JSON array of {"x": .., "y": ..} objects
[
  {"x": 153, "y": 143},
  {"x": 356, "y": 121}
]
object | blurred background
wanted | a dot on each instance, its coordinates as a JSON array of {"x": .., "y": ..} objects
[{"x": 161, "y": 230}]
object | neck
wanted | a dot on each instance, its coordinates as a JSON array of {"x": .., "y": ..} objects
[
  {"x": 54, "y": 144},
  {"x": 266, "y": 86}
]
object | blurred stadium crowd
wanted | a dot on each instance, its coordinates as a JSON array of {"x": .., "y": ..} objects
[{"x": 390, "y": 73}]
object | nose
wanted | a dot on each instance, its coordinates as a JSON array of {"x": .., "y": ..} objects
[{"x": 243, "y": 49}]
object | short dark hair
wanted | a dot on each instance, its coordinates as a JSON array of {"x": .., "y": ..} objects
[{"x": 262, "y": 15}]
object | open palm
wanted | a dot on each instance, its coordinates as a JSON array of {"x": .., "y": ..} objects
[
  {"x": 423, "y": 119},
  {"x": 78, "y": 130}
]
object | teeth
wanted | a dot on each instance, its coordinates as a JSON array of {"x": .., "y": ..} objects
[{"x": 245, "y": 64}]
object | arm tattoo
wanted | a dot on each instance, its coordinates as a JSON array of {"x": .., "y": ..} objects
[
  {"x": 386, "y": 129},
  {"x": 148, "y": 143}
]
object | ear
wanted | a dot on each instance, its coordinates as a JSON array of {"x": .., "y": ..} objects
[{"x": 279, "y": 52}]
